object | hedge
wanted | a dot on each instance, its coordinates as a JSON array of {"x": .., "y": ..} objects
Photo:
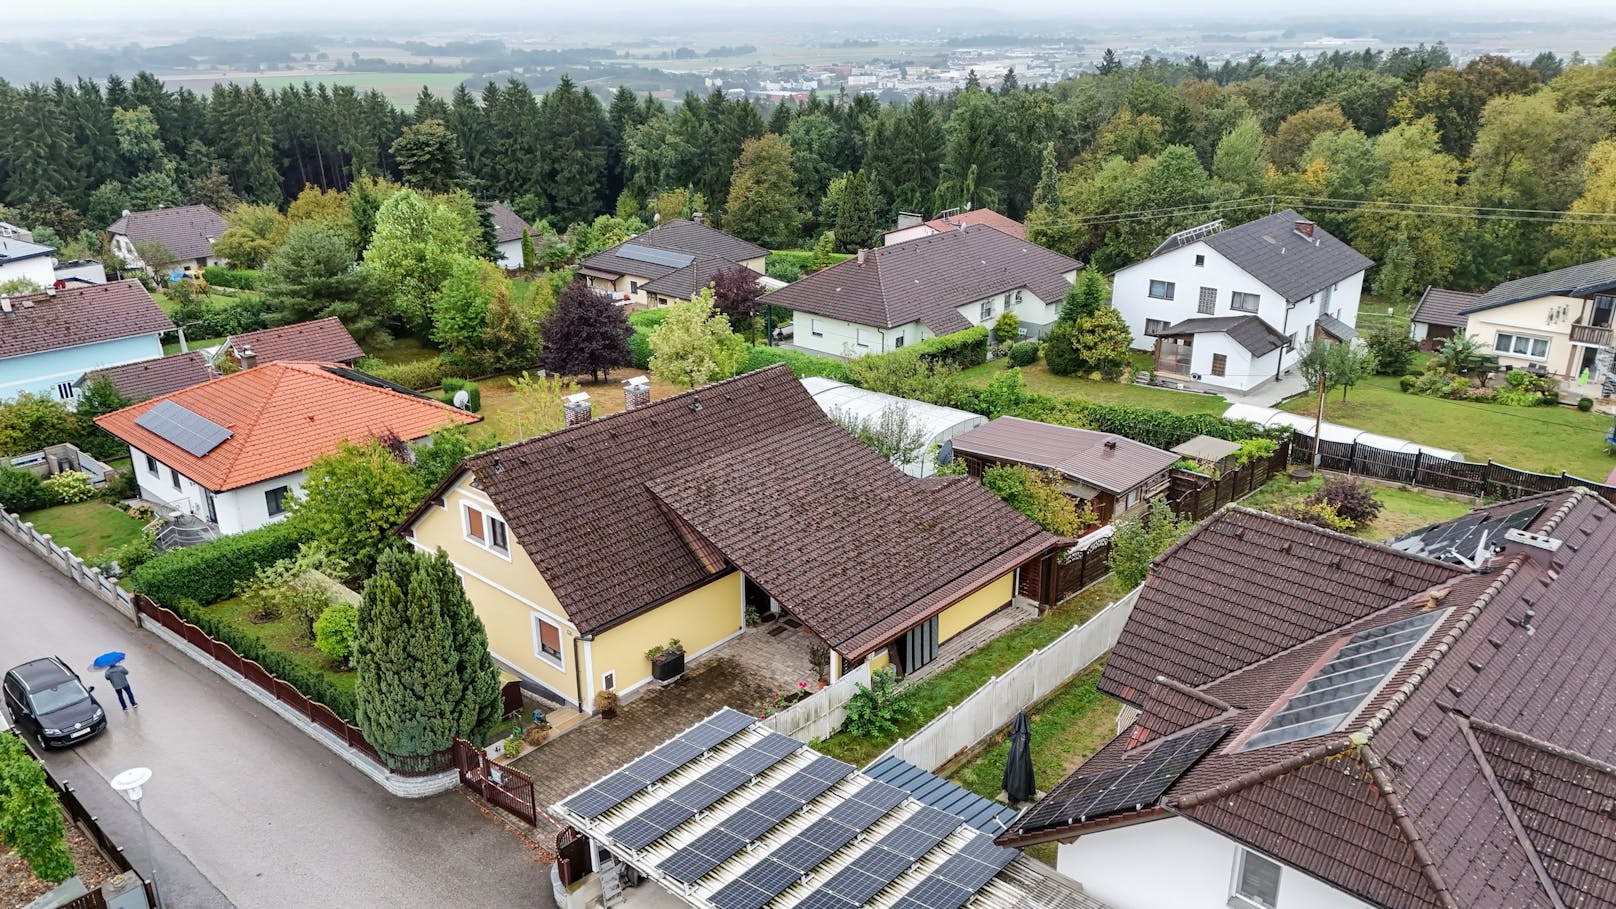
[
  {"x": 802, "y": 364},
  {"x": 312, "y": 683},
  {"x": 639, "y": 343},
  {"x": 210, "y": 572},
  {"x": 472, "y": 389},
  {"x": 962, "y": 349},
  {"x": 239, "y": 278},
  {"x": 417, "y": 374}
]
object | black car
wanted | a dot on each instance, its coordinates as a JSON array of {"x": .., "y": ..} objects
[{"x": 47, "y": 698}]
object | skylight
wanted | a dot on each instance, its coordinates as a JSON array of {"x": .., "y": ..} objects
[{"x": 1346, "y": 682}]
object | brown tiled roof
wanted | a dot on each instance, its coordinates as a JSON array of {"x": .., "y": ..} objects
[
  {"x": 1476, "y": 776},
  {"x": 678, "y": 236},
  {"x": 1101, "y": 459},
  {"x": 188, "y": 232},
  {"x": 508, "y": 225},
  {"x": 79, "y": 315},
  {"x": 928, "y": 279},
  {"x": 1439, "y": 306},
  {"x": 683, "y": 283},
  {"x": 157, "y": 376},
  {"x": 281, "y": 417},
  {"x": 1246, "y": 585},
  {"x": 985, "y": 216},
  {"x": 1251, "y": 332},
  {"x": 623, "y": 512},
  {"x": 325, "y": 340}
]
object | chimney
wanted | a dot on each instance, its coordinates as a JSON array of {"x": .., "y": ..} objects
[
  {"x": 909, "y": 219},
  {"x": 1111, "y": 443},
  {"x": 1537, "y": 547},
  {"x": 636, "y": 393},
  {"x": 1305, "y": 229},
  {"x": 247, "y": 356},
  {"x": 861, "y": 257},
  {"x": 699, "y": 217},
  {"x": 576, "y": 409},
  {"x": 126, "y": 213}
]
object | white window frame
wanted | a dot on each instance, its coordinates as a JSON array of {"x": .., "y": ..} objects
[
  {"x": 897, "y": 341},
  {"x": 987, "y": 309},
  {"x": 495, "y": 526},
  {"x": 1531, "y": 341},
  {"x": 1153, "y": 326},
  {"x": 1235, "y": 297},
  {"x": 486, "y": 541},
  {"x": 174, "y": 480},
  {"x": 154, "y": 468},
  {"x": 1241, "y": 900},
  {"x": 861, "y": 336},
  {"x": 1168, "y": 289},
  {"x": 816, "y": 328},
  {"x": 608, "y": 680},
  {"x": 559, "y": 660}
]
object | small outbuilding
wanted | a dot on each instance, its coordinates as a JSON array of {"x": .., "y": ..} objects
[
  {"x": 1209, "y": 452},
  {"x": 936, "y": 424}
]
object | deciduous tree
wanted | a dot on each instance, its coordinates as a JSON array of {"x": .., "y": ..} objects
[
  {"x": 764, "y": 206},
  {"x": 353, "y": 498},
  {"x": 1103, "y": 340},
  {"x": 695, "y": 346},
  {"x": 585, "y": 334},
  {"x": 1139, "y": 539}
]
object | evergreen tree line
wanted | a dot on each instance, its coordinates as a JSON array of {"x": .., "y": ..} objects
[{"x": 1182, "y": 141}]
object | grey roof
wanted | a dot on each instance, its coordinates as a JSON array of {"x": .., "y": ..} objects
[
  {"x": 686, "y": 240},
  {"x": 186, "y": 232},
  {"x": 1576, "y": 281},
  {"x": 1336, "y": 328},
  {"x": 928, "y": 279},
  {"x": 1207, "y": 448},
  {"x": 1256, "y": 336},
  {"x": 18, "y": 250},
  {"x": 930, "y": 789},
  {"x": 1101, "y": 459},
  {"x": 1270, "y": 250},
  {"x": 683, "y": 283},
  {"x": 1440, "y": 306},
  {"x": 508, "y": 225},
  {"x": 53, "y": 320},
  {"x": 156, "y": 377}
]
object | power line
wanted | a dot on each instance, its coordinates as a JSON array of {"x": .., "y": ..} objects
[{"x": 1424, "y": 209}]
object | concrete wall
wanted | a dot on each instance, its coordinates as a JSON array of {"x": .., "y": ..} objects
[
  {"x": 1536, "y": 318},
  {"x": 1124, "y": 868},
  {"x": 41, "y": 373}
]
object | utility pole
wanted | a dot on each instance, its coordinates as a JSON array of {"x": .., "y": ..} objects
[{"x": 1318, "y": 421}]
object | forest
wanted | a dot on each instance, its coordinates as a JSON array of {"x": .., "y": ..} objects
[{"x": 1460, "y": 175}]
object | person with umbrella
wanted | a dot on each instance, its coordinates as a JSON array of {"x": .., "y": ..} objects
[{"x": 118, "y": 677}]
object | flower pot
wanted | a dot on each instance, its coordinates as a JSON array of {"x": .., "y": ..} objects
[{"x": 668, "y": 666}]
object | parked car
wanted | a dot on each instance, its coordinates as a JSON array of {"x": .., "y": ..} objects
[{"x": 46, "y": 698}]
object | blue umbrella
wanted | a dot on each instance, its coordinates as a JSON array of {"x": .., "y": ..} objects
[{"x": 110, "y": 658}]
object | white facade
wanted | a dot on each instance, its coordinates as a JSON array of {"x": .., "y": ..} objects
[
  {"x": 1175, "y": 863},
  {"x": 510, "y": 254},
  {"x": 41, "y": 270},
  {"x": 125, "y": 250},
  {"x": 840, "y": 338},
  {"x": 234, "y": 511},
  {"x": 1203, "y": 285}
]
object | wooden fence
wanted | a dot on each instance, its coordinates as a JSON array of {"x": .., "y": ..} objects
[
  {"x": 283, "y": 691},
  {"x": 1485, "y": 480},
  {"x": 499, "y": 784}
]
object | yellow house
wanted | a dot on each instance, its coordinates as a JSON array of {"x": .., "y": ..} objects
[
  {"x": 1558, "y": 321},
  {"x": 583, "y": 549},
  {"x": 669, "y": 263}
]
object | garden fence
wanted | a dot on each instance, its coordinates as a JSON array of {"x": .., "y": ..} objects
[
  {"x": 1485, "y": 480},
  {"x": 820, "y": 714},
  {"x": 992, "y": 707},
  {"x": 1195, "y": 495},
  {"x": 499, "y": 785},
  {"x": 86, "y": 576}
]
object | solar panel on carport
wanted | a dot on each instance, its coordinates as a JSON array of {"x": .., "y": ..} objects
[{"x": 661, "y": 761}]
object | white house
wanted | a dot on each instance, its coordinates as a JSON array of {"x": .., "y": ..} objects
[
  {"x": 187, "y": 232},
  {"x": 668, "y": 263},
  {"x": 233, "y": 451},
  {"x": 886, "y": 298},
  {"x": 1558, "y": 322},
  {"x": 933, "y": 424},
  {"x": 1234, "y": 307},
  {"x": 508, "y": 230},
  {"x": 28, "y": 261}
]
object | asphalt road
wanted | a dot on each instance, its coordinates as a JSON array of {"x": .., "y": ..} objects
[{"x": 249, "y": 812}]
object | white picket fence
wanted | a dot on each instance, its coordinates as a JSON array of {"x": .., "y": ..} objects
[
  {"x": 992, "y": 707},
  {"x": 63, "y": 560},
  {"x": 822, "y": 713}
]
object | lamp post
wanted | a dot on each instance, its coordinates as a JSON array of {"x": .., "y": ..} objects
[{"x": 129, "y": 783}]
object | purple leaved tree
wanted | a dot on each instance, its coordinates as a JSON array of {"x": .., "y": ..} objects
[
  {"x": 584, "y": 334},
  {"x": 738, "y": 295}
]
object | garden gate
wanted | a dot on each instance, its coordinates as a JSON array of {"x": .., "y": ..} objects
[{"x": 498, "y": 784}]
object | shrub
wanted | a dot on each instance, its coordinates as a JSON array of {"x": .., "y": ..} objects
[
  {"x": 415, "y": 374},
  {"x": 876, "y": 709},
  {"x": 537, "y": 734},
  {"x": 1522, "y": 389},
  {"x": 1024, "y": 353},
  {"x": 131, "y": 555},
  {"x": 1407, "y": 383},
  {"x": 239, "y": 278},
  {"x": 962, "y": 349},
  {"x": 1319, "y": 514},
  {"x": 1585, "y": 404},
  {"x": 1353, "y": 501},
  {"x": 1007, "y": 328},
  {"x": 639, "y": 343},
  {"x": 70, "y": 487},
  {"x": 802, "y": 364},
  {"x": 782, "y": 267},
  {"x": 120, "y": 485},
  {"x": 30, "y": 818},
  {"x": 334, "y": 632},
  {"x": 450, "y": 386},
  {"x": 1255, "y": 450},
  {"x": 1060, "y": 349},
  {"x": 1393, "y": 349},
  {"x": 1138, "y": 540},
  {"x": 22, "y": 490},
  {"x": 211, "y": 572}
]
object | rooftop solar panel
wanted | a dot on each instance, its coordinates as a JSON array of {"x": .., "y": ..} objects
[
  {"x": 654, "y": 256},
  {"x": 935, "y": 893},
  {"x": 651, "y": 825},
  {"x": 1124, "y": 788},
  {"x": 194, "y": 433},
  {"x": 1464, "y": 539},
  {"x": 756, "y": 886}
]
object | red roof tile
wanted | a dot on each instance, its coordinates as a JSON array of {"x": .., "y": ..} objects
[
  {"x": 985, "y": 216},
  {"x": 281, "y": 416},
  {"x": 53, "y": 320}
]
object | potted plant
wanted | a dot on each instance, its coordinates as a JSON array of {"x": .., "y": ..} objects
[
  {"x": 667, "y": 661},
  {"x": 606, "y": 704}
]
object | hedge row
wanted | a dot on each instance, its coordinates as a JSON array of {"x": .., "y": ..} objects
[
  {"x": 311, "y": 682},
  {"x": 210, "y": 572},
  {"x": 472, "y": 389},
  {"x": 802, "y": 364},
  {"x": 417, "y": 374},
  {"x": 239, "y": 278},
  {"x": 639, "y": 343},
  {"x": 962, "y": 349}
]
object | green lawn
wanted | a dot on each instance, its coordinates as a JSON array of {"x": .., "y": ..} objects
[
  {"x": 88, "y": 528},
  {"x": 937, "y": 693},
  {"x": 1068, "y": 727},
  {"x": 1403, "y": 508},
  {"x": 1373, "y": 313},
  {"x": 1039, "y": 379},
  {"x": 1539, "y": 439},
  {"x": 284, "y": 635},
  {"x": 403, "y": 350},
  {"x": 172, "y": 347}
]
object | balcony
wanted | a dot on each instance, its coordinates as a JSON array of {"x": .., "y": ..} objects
[{"x": 1591, "y": 335}]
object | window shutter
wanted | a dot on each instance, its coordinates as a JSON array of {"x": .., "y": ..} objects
[{"x": 474, "y": 523}]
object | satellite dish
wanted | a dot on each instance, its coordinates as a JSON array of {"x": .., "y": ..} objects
[{"x": 462, "y": 399}]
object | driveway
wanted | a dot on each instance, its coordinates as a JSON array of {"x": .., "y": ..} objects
[{"x": 249, "y": 811}]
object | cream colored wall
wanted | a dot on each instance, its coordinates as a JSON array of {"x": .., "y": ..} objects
[
  {"x": 506, "y": 592},
  {"x": 755, "y": 264},
  {"x": 1530, "y": 317},
  {"x": 700, "y": 619},
  {"x": 880, "y": 661},
  {"x": 622, "y": 286},
  {"x": 975, "y": 608}
]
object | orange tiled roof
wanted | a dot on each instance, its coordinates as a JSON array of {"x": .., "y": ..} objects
[
  {"x": 281, "y": 417},
  {"x": 981, "y": 216}
]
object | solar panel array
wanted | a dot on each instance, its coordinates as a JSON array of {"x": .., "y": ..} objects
[
  {"x": 1126, "y": 788},
  {"x": 885, "y": 861},
  {"x": 618, "y": 788},
  {"x": 193, "y": 432},
  {"x": 1343, "y": 684},
  {"x": 959, "y": 877},
  {"x": 724, "y": 842},
  {"x": 654, "y": 256},
  {"x": 656, "y": 821},
  {"x": 1463, "y": 539}
]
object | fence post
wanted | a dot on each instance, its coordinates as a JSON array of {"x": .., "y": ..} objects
[
  {"x": 1352, "y": 457},
  {"x": 1415, "y": 479},
  {"x": 1487, "y": 478}
]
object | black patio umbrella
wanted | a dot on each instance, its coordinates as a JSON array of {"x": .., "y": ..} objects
[{"x": 1018, "y": 781}]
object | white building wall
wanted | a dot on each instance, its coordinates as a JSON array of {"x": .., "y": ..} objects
[
  {"x": 246, "y": 508},
  {"x": 1175, "y": 863},
  {"x": 235, "y": 511},
  {"x": 40, "y": 269},
  {"x": 510, "y": 254},
  {"x": 840, "y": 338}
]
